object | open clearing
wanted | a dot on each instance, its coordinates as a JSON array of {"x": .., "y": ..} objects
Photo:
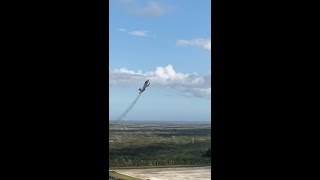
[{"x": 203, "y": 173}]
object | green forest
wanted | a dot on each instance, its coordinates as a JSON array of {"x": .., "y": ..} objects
[{"x": 158, "y": 145}]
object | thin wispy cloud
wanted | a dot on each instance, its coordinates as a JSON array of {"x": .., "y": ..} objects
[
  {"x": 139, "y": 33},
  {"x": 126, "y": 1},
  {"x": 122, "y": 30},
  {"x": 203, "y": 43},
  {"x": 150, "y": 8},
  {"x": 187, "y": 84}
]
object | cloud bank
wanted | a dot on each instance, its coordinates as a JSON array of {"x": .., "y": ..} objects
[
  {"x": 203, "y": 43},
  {"x": 187, "y": 84}
]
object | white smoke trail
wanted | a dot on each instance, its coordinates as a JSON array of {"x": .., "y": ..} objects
[{"x": 128, "y": 109}]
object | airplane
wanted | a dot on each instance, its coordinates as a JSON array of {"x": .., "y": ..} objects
[{"x": 144, "y": 86}]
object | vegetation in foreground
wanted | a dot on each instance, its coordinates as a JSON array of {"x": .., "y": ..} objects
[
  {"x": 159, "y": 145},
  {"x": 115, "y": 175}
]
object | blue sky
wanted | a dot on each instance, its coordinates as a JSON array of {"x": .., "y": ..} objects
[{"x": 168, "y": 42}]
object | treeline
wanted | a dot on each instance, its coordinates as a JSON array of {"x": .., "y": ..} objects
[
  {"x": 163, "y": 146},
  {"x": 164, "y": 158}
]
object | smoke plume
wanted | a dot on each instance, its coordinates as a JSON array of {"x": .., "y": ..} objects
[{"x": 128, "y": 109}]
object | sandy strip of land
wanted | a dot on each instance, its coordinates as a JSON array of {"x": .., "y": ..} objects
[{"x": 203, "y": 173}]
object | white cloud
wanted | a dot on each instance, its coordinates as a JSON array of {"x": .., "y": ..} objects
[
  {"x": 188, "y": 84},
  {"x": 203, "y": 43},
  {"x": 122, "y": 30},
  {"x": 126, "y": 1},
  {"x": 139, "y": 33},
  {"x": 151, "y": 8}
]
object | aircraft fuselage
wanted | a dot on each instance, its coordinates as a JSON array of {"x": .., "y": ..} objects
[{"x": 146, "y": 84}]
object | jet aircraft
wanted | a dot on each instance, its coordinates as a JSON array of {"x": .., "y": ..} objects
[{"x": 146, "y": 84}]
